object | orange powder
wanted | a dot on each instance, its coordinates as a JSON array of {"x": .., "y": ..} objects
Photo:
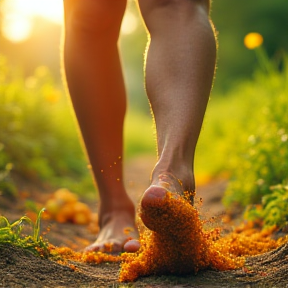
[
  {"x": 181, "y": 246},
  {"x": 65, "y": 253}
]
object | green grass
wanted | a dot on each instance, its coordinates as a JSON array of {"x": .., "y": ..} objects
[{"x": 12, "y": 233}]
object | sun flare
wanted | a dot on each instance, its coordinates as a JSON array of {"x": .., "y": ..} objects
[
  {"x": 49, "y": 9},
  {"x": 16, "y": 28},
  {"x": 18, "y": 16}
]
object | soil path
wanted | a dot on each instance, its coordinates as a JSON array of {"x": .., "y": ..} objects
[{"x": 20, "y": 268}]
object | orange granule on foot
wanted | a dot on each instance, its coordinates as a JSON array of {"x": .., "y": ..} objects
[{"x": 182, "y": 246}]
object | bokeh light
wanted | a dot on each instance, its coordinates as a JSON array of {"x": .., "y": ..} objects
[
  {"x": 16, "y": 28},
  {"x": 253, "y": 40},
  {"x": 18, "y": 16}
]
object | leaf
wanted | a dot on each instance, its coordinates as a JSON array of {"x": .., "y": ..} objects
[
  {"x": 36, "y": 234},
  {"x": 5, "y": 221}
]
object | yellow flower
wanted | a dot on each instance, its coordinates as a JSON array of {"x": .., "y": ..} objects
[{"x": 253, "y": 40}]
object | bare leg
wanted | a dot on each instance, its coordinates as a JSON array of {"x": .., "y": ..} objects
[
  {"x": 95, "y": 82},
  {"x": 179, "y": 73}
]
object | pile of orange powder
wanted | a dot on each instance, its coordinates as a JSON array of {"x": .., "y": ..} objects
[{"x": 181, "y": 245}]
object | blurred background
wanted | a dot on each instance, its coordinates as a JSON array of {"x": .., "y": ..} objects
[
  {"x": 39, "y": 139},
  {"x": 31, "y": 36}
]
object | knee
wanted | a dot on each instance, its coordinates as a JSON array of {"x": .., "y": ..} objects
[
  {"x": 178, "y": 4},
  {"x": 94, "y": 17},
  {"x": 170, "y": 10}
]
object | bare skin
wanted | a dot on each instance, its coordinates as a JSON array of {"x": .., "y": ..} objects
[
  {"x": 179, "y": 73},
  {"x": 114, "y": 234},
  {"x": 96, "y": 86}
]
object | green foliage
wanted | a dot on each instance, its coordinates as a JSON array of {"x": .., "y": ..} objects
[
  {"x": 37, "y": 130},
  {"x": 12, "y": 234},
  {"x": 263, "y": 157},
  {"x": 39, "y": 139},
  {"x": 260, "y": 158},
  {"x": 273, "y": 209},
  {"x": 7, "y": 189},
  {"x": 139, "y": 134},
  {"x": 269, "y": 18}
]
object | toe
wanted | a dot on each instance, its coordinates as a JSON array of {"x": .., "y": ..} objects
[
  {"x": 111, "y": 247},
  {"x": 93, "y": 248},
  {"x": 132, "y": 246}
]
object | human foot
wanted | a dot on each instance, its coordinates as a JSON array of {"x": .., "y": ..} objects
[
  {"x": 116, "y": 229},
  {"x": 154, "y": 208}
]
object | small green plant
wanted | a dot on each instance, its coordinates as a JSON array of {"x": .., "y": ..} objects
[
  {"x": 12, "y": 234},
  {"x": 273, "y": 209}
]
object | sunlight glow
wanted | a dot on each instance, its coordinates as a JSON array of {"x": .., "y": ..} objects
[
  {"x": 18, "y": 16},
  {"x": 49, "y": 9},
  {"x": 16, "y": 28}
]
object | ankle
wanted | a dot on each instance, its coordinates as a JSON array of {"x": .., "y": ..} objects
[
  {"x": 182, "y": 174},
  {"x": 116, "y": 210}
]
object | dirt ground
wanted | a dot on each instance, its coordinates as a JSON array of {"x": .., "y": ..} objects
[{"x": 20, "y": 268}]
